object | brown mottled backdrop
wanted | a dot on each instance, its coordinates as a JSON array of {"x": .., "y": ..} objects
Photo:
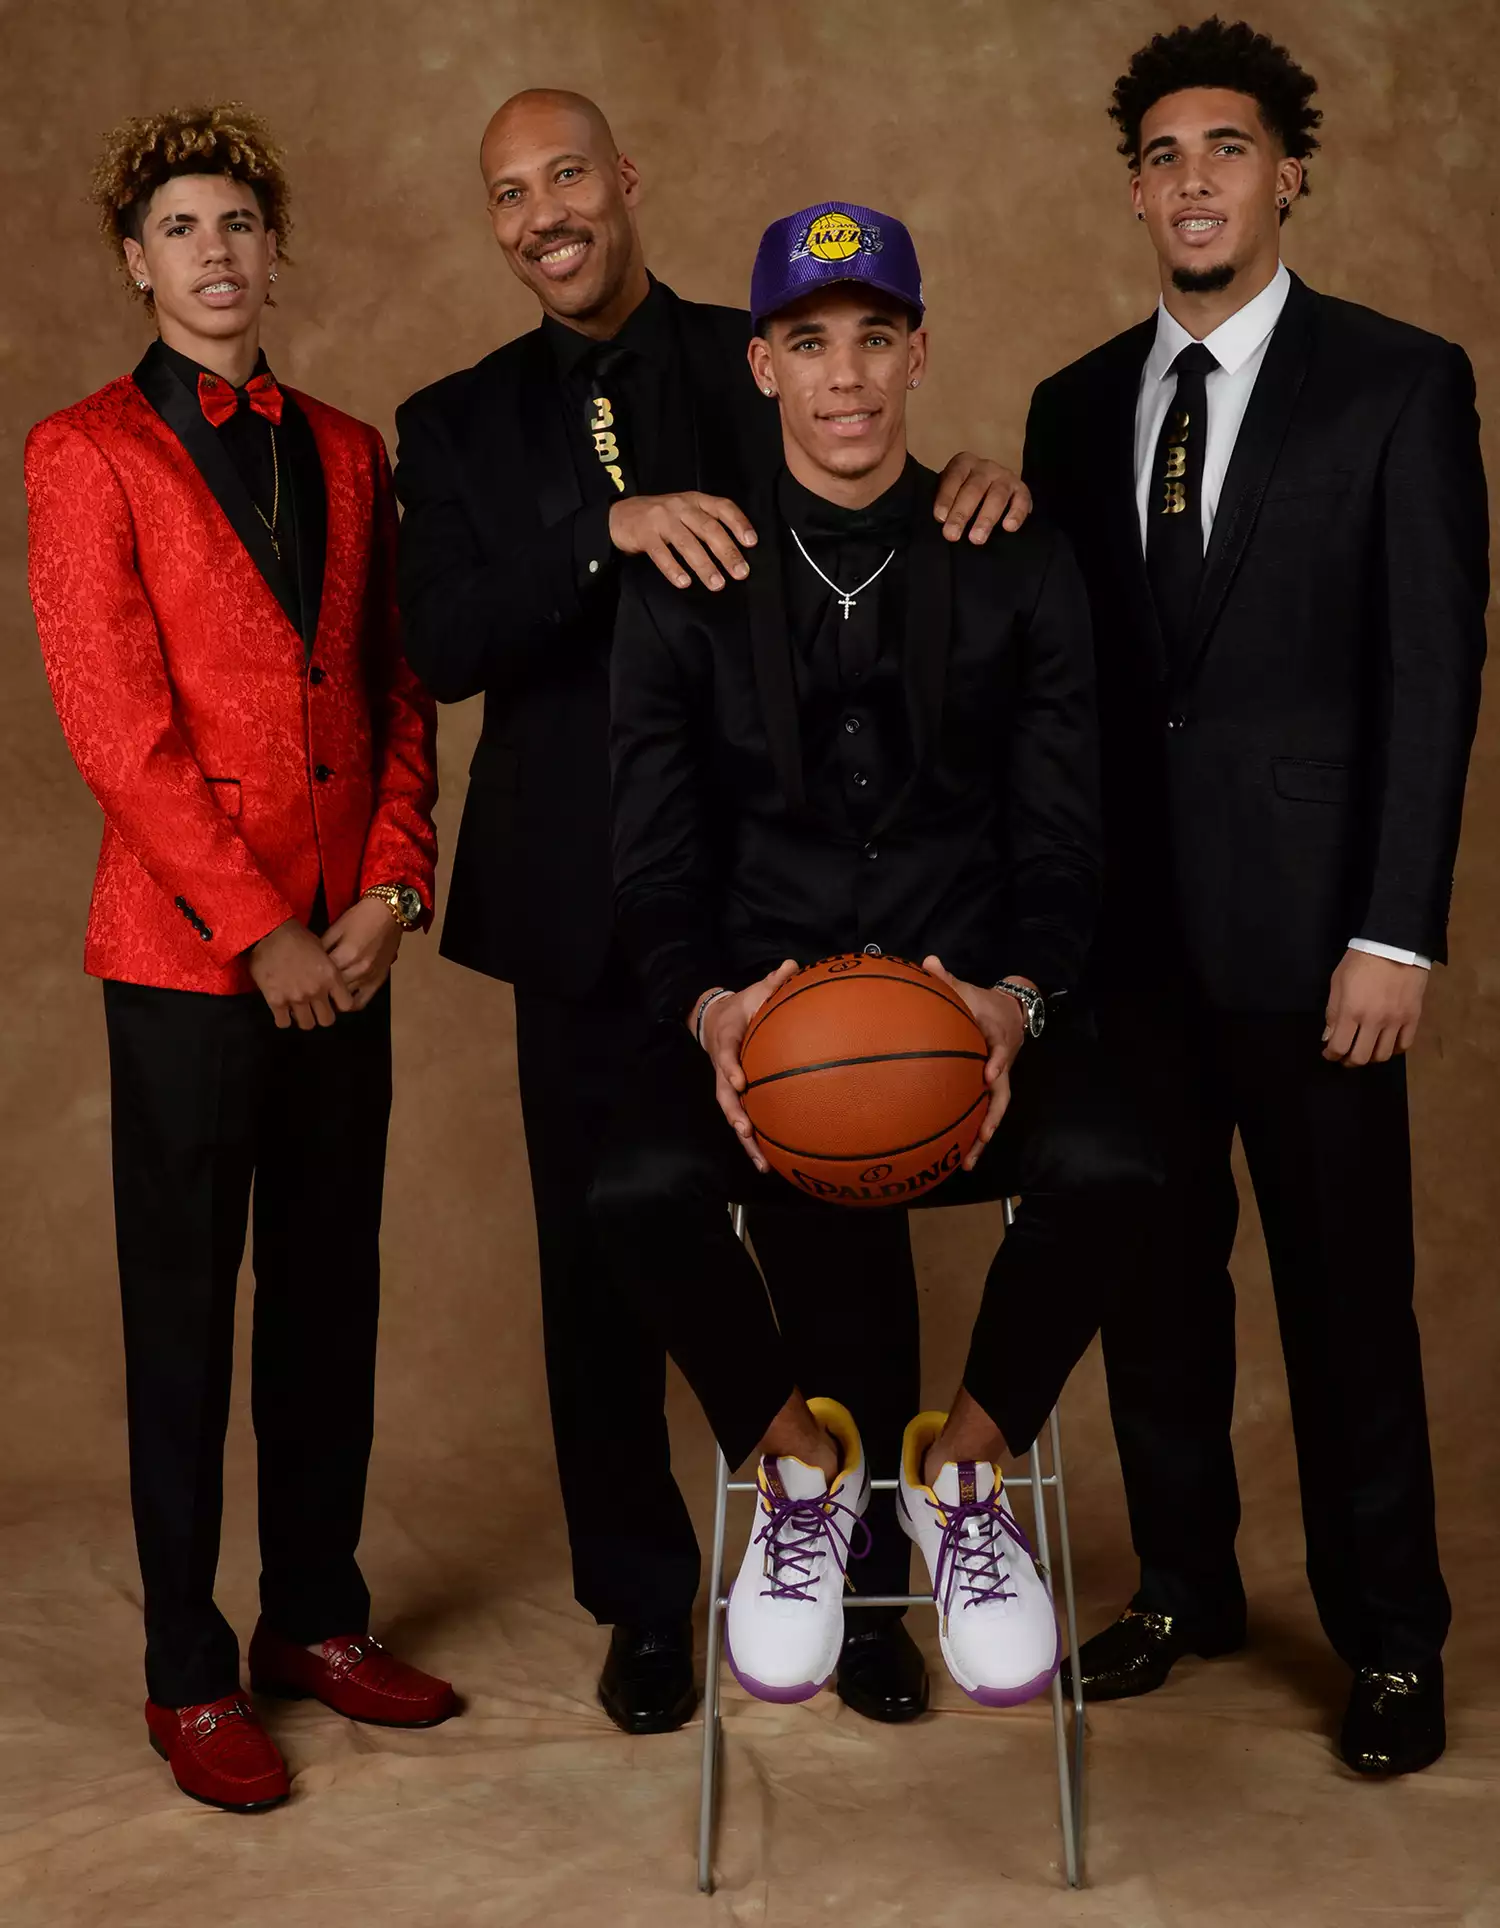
[{"x": 1218, "y": 1801}]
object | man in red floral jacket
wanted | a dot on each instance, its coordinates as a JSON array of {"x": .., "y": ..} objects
[{"x": 211, "y": 573}]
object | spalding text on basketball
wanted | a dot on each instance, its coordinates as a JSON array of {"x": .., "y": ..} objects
[{"x": 887, "y": 1192}]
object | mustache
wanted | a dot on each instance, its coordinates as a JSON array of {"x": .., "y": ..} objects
[{"x": 556, "y": 238}]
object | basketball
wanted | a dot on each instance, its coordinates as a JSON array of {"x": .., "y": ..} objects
[{"x": 864, "y": 1080}]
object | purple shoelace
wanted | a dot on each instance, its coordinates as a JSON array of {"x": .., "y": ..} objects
[
  {"x": 798, "y": 1534},
  {"x": 976, "y": 1565}
]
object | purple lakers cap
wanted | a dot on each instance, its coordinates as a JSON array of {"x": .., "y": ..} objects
[{"x": 831, "y": 242}]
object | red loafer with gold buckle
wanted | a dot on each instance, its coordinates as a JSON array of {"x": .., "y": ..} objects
[
  {"x": 219, "y": 1753},
  {"x": 354, "y": 1675}
]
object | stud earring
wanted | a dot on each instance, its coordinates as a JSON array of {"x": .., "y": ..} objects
[
  {"x": 272, "y": 275},
  {"x": 766, "y": 389},
  {"x": 144, "y": 286},
  {"x": 1139, "y": 216},
  {"x": 914, "y": 384},
  {"x": 1283, "y": 200}
]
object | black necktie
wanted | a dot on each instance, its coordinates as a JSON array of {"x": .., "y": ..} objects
[
  {"x": 1174, "y": 520},
  {"x": 604, "y": 416}
]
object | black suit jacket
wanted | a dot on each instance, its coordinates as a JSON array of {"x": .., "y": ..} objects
[
  {"x": 988, "y": 855},
  {"x": 491, "y": 601},
  {"x": 1301, "y": 784}
]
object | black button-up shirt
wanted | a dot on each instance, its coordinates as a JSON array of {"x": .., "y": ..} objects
[
  {"x": 259, "y": 460},
  {"x": 856, "y": 736},
  {"x": 245, "y": 437}
]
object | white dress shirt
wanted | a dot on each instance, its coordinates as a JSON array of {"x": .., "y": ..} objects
[{"x": 1239, "y": 347}]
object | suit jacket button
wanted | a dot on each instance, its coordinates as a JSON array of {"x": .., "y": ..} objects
[
  {"x": 1176, "y": 722},
  {"x": 871, "y": 852},
  {"x": 315, "y": 675},
  {"x": 322, "y": 773}
]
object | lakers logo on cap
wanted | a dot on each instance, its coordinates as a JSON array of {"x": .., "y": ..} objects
[{"x": 835, "y": 235}]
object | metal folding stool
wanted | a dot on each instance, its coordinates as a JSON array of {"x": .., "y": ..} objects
[{"x": 1069, "y": 1743}]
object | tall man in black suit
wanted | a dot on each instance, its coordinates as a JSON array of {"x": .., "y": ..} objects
[
  {"x": 626, "y": 424},
  {"x": 1278, "y": 502}
]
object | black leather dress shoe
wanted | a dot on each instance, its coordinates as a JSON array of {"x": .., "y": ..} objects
[
  {"x": 647, "y": 1685},
  {"x": 882, "y": 1674},
  {"x": 1136, "y": 1654},
  {"x": 1394, "y": 1723}
]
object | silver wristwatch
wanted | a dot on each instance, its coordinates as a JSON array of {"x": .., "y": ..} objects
[{"x": 1031, "y": 1002}]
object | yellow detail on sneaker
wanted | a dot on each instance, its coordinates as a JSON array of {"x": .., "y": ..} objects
[
  {"x": 919, "y": 1435},
  {"x": 838, "y": 1422}
]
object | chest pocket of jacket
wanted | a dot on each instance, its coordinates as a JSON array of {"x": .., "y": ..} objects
[{"x": 1301, "y": 781}]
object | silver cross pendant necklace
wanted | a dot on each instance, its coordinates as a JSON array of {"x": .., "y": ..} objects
[{"x": 846, "y": 596}]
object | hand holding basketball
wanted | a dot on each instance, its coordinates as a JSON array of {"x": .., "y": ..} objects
[
  {"x": 724, "y": 1026},
  {"x": 999, "y": 1019}
]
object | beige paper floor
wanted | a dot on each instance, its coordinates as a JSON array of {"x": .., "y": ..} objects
[{"x": 1217, "y": 1802}]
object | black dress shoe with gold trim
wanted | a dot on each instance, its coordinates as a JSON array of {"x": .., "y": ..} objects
[
  {"x": 1394, "y": 1723},
  {"x": 647, "y": 1685},
  {"x": 1135, "y": 1655},
  {"x": 882, "y": 1674}
]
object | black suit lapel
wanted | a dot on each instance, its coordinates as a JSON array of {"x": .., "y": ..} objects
[
  {"x": 178, "y": 407},
  {"x": 307, "y": 496},
  {"x": 736, "y": 431},
  {"x": 544, "y": 431},
  {"x": 1115, "y": 406},
  {"x": 771, "y": 652},
  {"x": 927, "y": 639},
  {"x": 1269, "y": 415}
]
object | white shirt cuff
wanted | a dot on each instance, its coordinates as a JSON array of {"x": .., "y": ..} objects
[{"x": 1388, "y": 950}]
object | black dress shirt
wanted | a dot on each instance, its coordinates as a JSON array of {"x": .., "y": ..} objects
[
  {"x": 301, "y": 513},
  {"x": 856, "y": 741},
  {"x": 653, "y": 418}
]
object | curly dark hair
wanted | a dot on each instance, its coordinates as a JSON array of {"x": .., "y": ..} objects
[
  {"x": 140, "y": 155},
  {"x": 1214, "y": 54}
]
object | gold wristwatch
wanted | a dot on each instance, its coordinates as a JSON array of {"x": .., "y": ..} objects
[{"x": 403, "y": 902}]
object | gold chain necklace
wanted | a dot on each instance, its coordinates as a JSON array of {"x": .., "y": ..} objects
[{"x": 275, "y": 515}]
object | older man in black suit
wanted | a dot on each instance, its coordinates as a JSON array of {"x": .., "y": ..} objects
[{"x": 626, "y": 424}]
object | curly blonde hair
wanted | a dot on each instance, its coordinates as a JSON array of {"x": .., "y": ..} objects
[{"x": 140, "y": 155}]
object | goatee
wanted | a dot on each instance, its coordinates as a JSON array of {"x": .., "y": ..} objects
[{"x": 1201, "y": 281}]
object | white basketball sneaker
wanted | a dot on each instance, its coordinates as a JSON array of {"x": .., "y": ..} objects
[
  {"x": 785, "y": 1623},
  {"x": 996, "y": 1623}
]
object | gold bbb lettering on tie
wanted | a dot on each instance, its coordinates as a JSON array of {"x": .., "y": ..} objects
[
  {"x": 1174, "y": 490},
  {"x": 606, "y": 447}
]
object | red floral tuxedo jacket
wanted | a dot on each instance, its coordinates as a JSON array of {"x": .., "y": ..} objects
[{"x": 235, "y": 760}]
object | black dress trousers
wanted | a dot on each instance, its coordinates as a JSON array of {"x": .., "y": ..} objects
[
  {"x": 1070, "y": 1144},
  {"x": 208, "y": 1100},
  {"x": 1328, "y": 1155},
  {"x": 585, "y": 1072}
]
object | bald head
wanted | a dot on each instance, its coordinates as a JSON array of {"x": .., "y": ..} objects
[
  {"x": 562, "y": 204},
  {"x": 539, "y": 114}
]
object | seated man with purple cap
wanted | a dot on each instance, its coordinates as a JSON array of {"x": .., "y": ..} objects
[{"x": 878, "y": 742}]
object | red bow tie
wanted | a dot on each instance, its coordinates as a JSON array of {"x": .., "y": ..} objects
[{"x": 219, "y": 399}]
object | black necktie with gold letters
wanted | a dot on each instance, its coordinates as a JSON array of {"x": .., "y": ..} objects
[
  {"x": 1174, "y": 521},
  {"x": 604, "y": 414}
]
